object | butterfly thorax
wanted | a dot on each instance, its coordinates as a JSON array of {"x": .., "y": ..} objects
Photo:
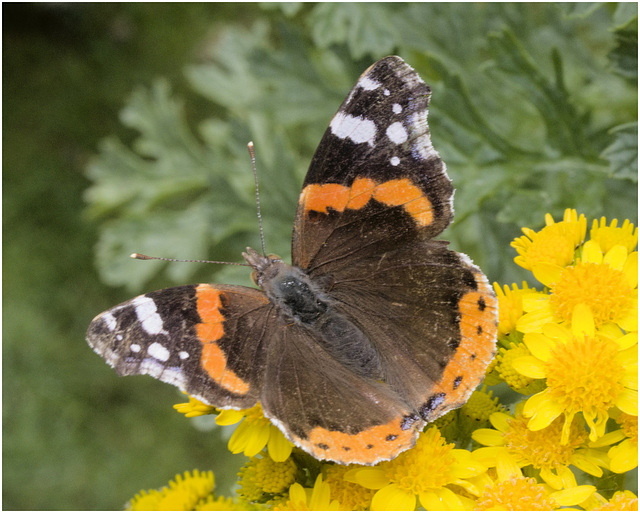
[{"x": 301, "y": 301}]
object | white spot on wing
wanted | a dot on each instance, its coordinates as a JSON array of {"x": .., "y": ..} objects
[
  {"x": 386, "y": 92},
  {"x": 109, "y": 320},
  {"x": 147, "y": 314},
  {"x": 183, "y": 355},
  {"x": 158, "y": 351},
  {"x": 356, "y": 128},
  {"x": 397, "y": 108},
  {"x": 171, "y": 375},
  {"x": 368, "y": 84},
  {"x": 394, "y": 161},
  {"x": 135, "y": 348},
  {"x": 397, "y": 133}
]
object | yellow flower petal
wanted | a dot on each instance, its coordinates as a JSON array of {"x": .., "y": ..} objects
[
  {"x": 500, "y": 421},
  {"x": 630, "y": 322},
  {"x": 581, "y": 461},
  {"x": 278, "y": 446},
  {"x": 430, "y": 501},
  {"x": 506, "y": 466},
  {"x": 630, "y": 378},
  {"x": 489, "y": 437},
  {"x": 552, "y": 479},
  {"x": 616, "y": 257},
  {"x": 297, "y": 495},
  {"x": 372, "y": 478},
  {"x": 582, "y": 322},
  {"x": 609, "y": 439},
  {"x": 529, "y": 366},
  {"x": 573, "y": 496},
  {"x": 542, "y": 410},
  {"x": 630, "y": 270},
  {"x": 534, "y": 321},
  {"x": 229, "y": 417},
  {"x": 627, "y": 401},
  {"x": 591, "y": 252},
  {"x": 624, "y": 457},
  {"x": 628, "y": 340},
  {"x": 557, "y": 332},
  {"x": 534, "y": 301},
  {"x": 540, "y": 345},
  {"x": 392, "y": 498},
  {"x": 547, "y": 274},
  {"x": 450, "y": 500},
  {"x": 320, "y": 496},
  {"x": 487, "y": 455},
  {"x": 249, "y": 439}
]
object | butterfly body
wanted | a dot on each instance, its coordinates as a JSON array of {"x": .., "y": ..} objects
[{"x": 375, "y": 329}]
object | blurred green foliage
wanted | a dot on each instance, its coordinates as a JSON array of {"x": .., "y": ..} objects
[{"x": 534, "y": 110}]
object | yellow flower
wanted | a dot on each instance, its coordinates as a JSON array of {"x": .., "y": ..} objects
[
  {"x": 423, "y": 472},
  {"x": 624, "y": 456},
  {"x": 303, "y": 499},
  {"x": 510, "y": 306},
  {"x": 194, "y": 408},
  {"x": 513, "y": 440},
  {"x": 554, "y": 244},
  {"x": 254, "y": 433},
  {"x": 481, "y": 405},
  {"x": 262, "y": 478},
  {"x": 607, "y": 283},
  {"x": 586, "y": 372},
  {"x": 183, "y": 494},
  {"x": 505, "y": 369},
  {"x": 518, "y": 493},
  {"x": 621, "y": 501},
  {"x": 222, "y": 504},
  {"x": 351, "y": 496},
  {"x": 609, "y": 236}
]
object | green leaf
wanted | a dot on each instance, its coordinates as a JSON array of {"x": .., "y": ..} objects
[
  {"x": 622, "y": 153},
  {"x": 364, "y": 28},
  {"x": 624, "y": 57}
]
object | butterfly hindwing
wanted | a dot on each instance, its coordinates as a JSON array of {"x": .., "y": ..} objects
[
  {"x": 432, "y": 315},
  {"x": 328, "y": 409}
]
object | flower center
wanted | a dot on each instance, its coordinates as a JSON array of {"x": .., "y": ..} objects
[
  {"x": 583, "y": 374},
  {"x": 426, "y": 466},
  {"x": 542, "y": 448},
  {"x": 551, "y": 245},
  {"x": 599, "y": 286},
  {"x": 516, "y": 494}
]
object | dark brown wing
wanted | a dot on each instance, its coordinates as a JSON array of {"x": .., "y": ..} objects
[
  {"x": 328, "y": 410},
  {"x": 431, "y": 315}
]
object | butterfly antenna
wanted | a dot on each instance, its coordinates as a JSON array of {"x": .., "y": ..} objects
[
  {"x": 140, "y": 256},
  {"x": 255, "y": 178}
]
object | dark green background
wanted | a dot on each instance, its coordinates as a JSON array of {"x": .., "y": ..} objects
[{"x": 75, "y": 436}]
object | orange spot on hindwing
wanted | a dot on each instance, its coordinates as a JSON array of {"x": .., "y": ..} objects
[
  {"x": 478, "y": 329},
  {"x": 378, "y": 443},
  {"x": 393, "y": 193},
  {"x": 213, "y": 359}
]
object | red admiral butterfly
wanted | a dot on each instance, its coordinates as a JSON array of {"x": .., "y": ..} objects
[{"x": 373, "y": 331}]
